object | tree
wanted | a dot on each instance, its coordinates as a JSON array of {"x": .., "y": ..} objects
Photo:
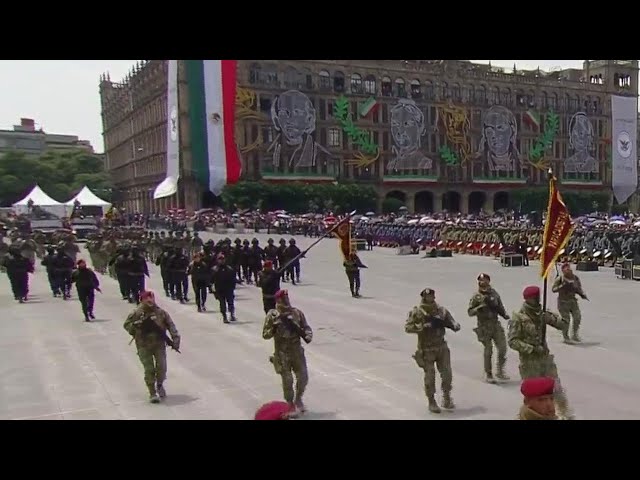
[
  {"x": 392, "y": 205},
  {"x": 60, "y": 174}
]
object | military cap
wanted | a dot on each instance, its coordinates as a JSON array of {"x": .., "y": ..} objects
[
  {"x": 254, "y": 240},
  {"x": 537, "y": 387},
  {"x": 237, "y": 240},
  {"x": 531, "y": 292},
  {"x": 484, "y": 276},
  {"x": 146, "y": 294},
  {"x": 282, "y": 293},
  {"x": 292, "y": 241},
  {"x": 270, "y": 240},
  {"x": 427, "y": 291},
  {"x": 273, "y": 411},
  {"x": 282, "y": 240}
]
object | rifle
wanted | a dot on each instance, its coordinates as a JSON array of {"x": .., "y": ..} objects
[
  {"x": 149, "y": 325},
  {"x": 291, "y": 325},
  {"x": 326, "y": 234}
]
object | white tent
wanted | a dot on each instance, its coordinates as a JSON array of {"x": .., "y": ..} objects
[
  {"x": 42, "y": 200},
  {"x": 87, "y": 198}
]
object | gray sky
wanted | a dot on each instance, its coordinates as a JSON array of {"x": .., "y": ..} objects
[{"x": 62, "y": 95}]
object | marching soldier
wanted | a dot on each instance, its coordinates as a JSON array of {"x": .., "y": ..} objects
[
  {"x": 282, "y": 247},
  {"x": 271, "y": 253},
  {"x": 293, "y": 270},
  {"x": 163, "y": 262},
  {"x": 62, "y": 268},
  {"x": 196, "y": 244},
  {"x": 137, "y": 271},
  {"x": 47, "y": 262},
  {"x": 86, "y": 282},
  {"x": 429, "y": 320},
  {"x": 224, "y": 281},
  {"x": 527, "y": 336},
  {"x": 538, "y": 399},
  {"x": 18, "y": 269},
  {"x": 148, "y": 325},
  {"x": 352, "y": 266},
  {"x": 567, "y": 286},
  {"x": 200, "y": 273},
  {"x": 236, "y": 259},
  {"x": 255, "y": 257},
  {"x": 269, "y": 282},
  {"x": 287, "y": 325},
  {"x": 179, "y": 283},
  {"x": 486, "y": 305}
]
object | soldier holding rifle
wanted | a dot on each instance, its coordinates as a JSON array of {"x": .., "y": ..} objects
[
  {"x": 567, "y": 286},
  {"x": 148, "y": 325}
]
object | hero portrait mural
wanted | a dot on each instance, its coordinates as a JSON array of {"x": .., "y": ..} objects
[
  {"x": 407, "y": 129},
  {"x": 498, "y": 144},
  {"x": 294, "y": 118},
  {"x": 581, "y": 143}
]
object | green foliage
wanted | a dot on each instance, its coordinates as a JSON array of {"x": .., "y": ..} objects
[
  {"x": 449, "y": 156},
  {"x": 545, "y": 141},
  {"x": 360, "y": 138},
  {"x": 300, "y": 197},
  {"x": 578, "y": 203},
  {"x": 392, "y": 205},
  {"x": 60, "y": 174}
]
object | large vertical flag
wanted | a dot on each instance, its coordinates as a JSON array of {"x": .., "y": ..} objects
[
  {"x": 557, "y": 229},
  {"x": 624, "y": 120},
  {"x": 212, "y": 96},
  {"x": 343, "y": 232},
  {"x": 169, "y": 186}
]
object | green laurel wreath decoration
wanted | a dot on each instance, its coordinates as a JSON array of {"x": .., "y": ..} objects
[
  {"x": 545, "y": 141},
  {"x": 449, "y": 156},
  {"x": 361, "y": 138}
]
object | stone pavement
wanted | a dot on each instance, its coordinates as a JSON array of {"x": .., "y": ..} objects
[{"x": 53, "y": 365}]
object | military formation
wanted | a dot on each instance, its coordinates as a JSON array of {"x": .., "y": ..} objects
[{"x": 216, "y": 268}]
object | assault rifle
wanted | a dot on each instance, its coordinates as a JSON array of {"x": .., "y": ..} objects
[
  {"x": 287, "y": 320},
  {"x": 149, "y": 326}
]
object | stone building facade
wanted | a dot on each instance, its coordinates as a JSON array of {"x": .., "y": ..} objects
[{"x": 436, "y": 134}]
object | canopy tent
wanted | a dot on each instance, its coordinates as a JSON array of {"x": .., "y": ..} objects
[
  {"x": 86, "y": 198},
  {"x": 38, "y": 198}
]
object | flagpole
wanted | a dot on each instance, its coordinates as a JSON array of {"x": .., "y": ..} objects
[{"x": 544, "y": 285}]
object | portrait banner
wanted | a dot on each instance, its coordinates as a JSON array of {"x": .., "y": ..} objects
[
  {"x": 169, "y": 186},
  {"x": 557, "y": 229},
  {"x": 624, "y": 120},
  {"x": 212, "y": 103}
]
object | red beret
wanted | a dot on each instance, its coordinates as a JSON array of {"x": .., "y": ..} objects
[
  {"x": 268, "y": 263},
  {"x": 531, "y": 292},
  {"x": 484, "y": 276},
  {"x": 282, "y": 293},
  {"x": 146, "y": 294},
  {"x": 537, "y": 387},
  {"x": 273, "y": 411}
]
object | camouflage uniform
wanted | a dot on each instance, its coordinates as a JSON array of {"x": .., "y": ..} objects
[
  {"x": 288, "y": 354},
  {"x": 151, "y": 345},
  {"x": 568, "y": 307},
  {"x": 429, "y": 321},
  {"x": 486, "y": 305},
  {"x": 527, "y": 336}
]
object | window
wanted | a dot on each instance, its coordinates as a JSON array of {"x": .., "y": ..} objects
[
  {"x": 385, "y": 141},
  {"x": 254, "y": 74},
  {"x": 455, "y": 92},
  {"x": 506, "y": 97},
  {"x": 471, "y": 94},
  {"x": 553, "y": 101},
  {"x": 385, "y": 113},
  {"x": 386, "y": 87},
  {"x": 322, "y": 108},
  {"x": 356, "y": 83},
  {"x": 416, "y": 90},
  {"x": 271, "y": 75},
  {"x": 265, "y": 104},
  {"x": 338, "y": 82},
  {"x": 370, "y": 85},
  {"x": 400, "y": 88},
  {"x": 428, "y": 90},
  {"x": 481, "y": 95},
  {"x": 325, "y": 80},
  {"x": 445, "y": 90},
  {"x": 335, "y": 137},
  {"x": 495, "y": 96},
  {"x": 267, "y": 135},
  {"x": 291, "y": 78}
]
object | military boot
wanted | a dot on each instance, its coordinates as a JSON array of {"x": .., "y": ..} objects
[
  {"x": 224, "y": 318},
  {"x": 433, "y": 405},
  {"x": 300, "y": 405},
  {"x": 233, "y": 317},
  {"x": 162, "y": 393},
  {"x": 575, "y": 337},
  {"x": 565, "y": 337},
  {"x": 488, "y": 377},
  {"x": 502, "y": 375},
  {"x": 447, "y": 401},
  {"x": 153, "y": 396}
]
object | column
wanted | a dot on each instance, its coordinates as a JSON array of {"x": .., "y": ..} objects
[{"x": 464, "y": 202}]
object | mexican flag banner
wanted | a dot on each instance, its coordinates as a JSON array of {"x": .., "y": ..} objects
[
  {"x": 367, "y": 107},
  {"x": 532, "y": 118},
  {"x": 212, "y": 96}
]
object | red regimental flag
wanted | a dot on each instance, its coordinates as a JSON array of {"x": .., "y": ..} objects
[
  {"x": 557, "y": 229},
  {"x": 343, "y": 232}
]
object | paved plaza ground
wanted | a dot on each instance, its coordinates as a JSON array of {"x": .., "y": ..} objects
[{"x": 53, "y": 365}]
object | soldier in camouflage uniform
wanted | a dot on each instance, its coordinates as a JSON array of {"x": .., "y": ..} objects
[
  {"x": 486, "y": 305},
  {"x": 527, "y": 336},
  {"x": 538, "y": 399},
  {"x": 150, "y": 341},
  {"x": 429, "y": 320},
  {"x": 567, "y": 286},
  {"x": 196, "y": 244},
  {"x": 287, "y": 325}
]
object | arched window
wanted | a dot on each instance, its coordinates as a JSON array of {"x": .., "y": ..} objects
[
  {"x": 470, "y": 94},
  {"x": 370, "y": 85},
  {"x": 544, "y": 100},
  {"x": 481, "y": 95},
  {"x": 401, "y": 90},
  {"x": 445, "y": 90},
  {"x": 495, "y": 96},
  {"x": 356, "y": 83},
  {"x": 270, "y": 76},
  {"x": 291, "y": 78},
  {"x": 338, "y": 82},
  {"x": 429, "y": 94},
  {"x": 416, "y": 89},
  {"x": 387, "y": 87},
  {"x": 506, "y": 97},
  {"x": 254, "y": 74},
  {"x": 325, "y": 80},
  {"x": 456, "y": 94},
  {"x": 553, "y": 101}
]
